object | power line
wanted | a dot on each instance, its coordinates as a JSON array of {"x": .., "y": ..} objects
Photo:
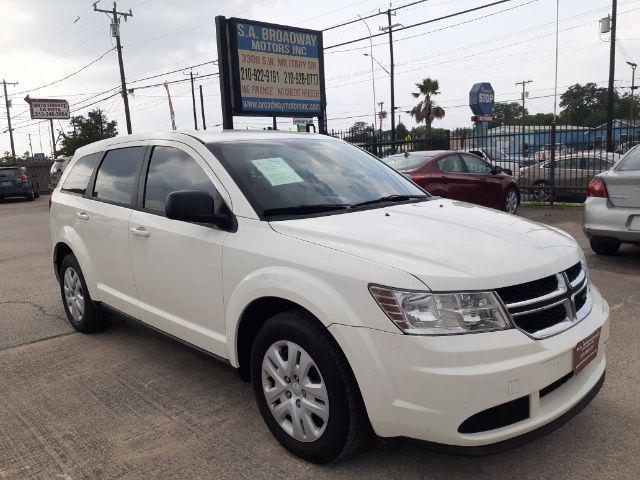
[
  {"x": 68, "y": 76},
  {"x": 444, "y": 17}
]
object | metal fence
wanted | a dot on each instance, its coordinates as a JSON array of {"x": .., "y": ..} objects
[
  {"x": 37, "y": 170},
  {"x": 550, "y": 163}
]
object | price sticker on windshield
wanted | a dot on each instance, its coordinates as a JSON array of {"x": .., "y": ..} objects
[{"x": 277, "y": 171}]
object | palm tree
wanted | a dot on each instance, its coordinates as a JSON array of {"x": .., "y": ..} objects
[{"x": 427, "y": 110}]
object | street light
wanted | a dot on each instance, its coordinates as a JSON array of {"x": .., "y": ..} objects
[{"x": 373, "y": 78}]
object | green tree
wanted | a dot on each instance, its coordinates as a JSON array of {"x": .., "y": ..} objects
[
  {"x": 401, "y": 131},
  {"x": 507, "y": 114},
  {"x": 360, "y": 132},
  {"x": 427, "y": 110},
  {"x": 585, "y": 105},
  {"x": 87, "y": 130}
]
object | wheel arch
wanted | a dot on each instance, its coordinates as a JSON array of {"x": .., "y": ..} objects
[{"x": 69, "y": 242}]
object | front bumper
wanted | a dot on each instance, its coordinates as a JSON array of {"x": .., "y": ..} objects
[
  {"x": 426, "y": 387},
  {"x": 602, "y": 219}
]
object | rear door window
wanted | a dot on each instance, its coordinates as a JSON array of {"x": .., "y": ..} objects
[
  {"x": 78, "y": 178},
  {"x": 631, "y": 161},
  {"x": 451, "y": 164},
  {"x": 476, "y": 164},
  {"x": 116, "y": 180},
  {"x": 170, "y": 170}
]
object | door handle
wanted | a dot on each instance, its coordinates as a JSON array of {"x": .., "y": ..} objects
[
  {"x": 140, "y": 232},
  {"x": 82, "y": 216}
]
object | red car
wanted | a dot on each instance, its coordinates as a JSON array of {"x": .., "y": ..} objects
[{"x": 459, "y": 176}]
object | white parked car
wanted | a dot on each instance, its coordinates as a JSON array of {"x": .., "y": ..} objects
[
  {"x": 612, "y": 208},
  {"x": 349, "y": 296}
]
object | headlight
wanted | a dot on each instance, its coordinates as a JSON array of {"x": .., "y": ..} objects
[{"x": 425, "y": 313}]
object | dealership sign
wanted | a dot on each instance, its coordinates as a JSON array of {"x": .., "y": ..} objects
[
  {"x": 48, "y": 108},
  {"x": 270, "y": 70},
  {"x": 481, "y": 99}
]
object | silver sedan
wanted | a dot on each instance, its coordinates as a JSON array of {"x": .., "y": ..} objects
[{"x": 612, "y": 208}]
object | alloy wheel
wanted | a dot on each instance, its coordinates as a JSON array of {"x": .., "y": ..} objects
[
  {"x": 73, "y": 294},
  {"x": 295, "y": 391},
  {"x": 512, "y": 201}
]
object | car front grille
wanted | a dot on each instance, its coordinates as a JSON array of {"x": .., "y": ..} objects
[{"x": 549, "y": 305}]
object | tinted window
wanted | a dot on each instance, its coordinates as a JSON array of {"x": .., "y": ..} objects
[
  {"x": 631, "y": 161},
  {"x": 10, "y": 173},
  {"x": 452, "y": 163},
  {"x": 595, "y": 164},
  {"x": 566, "y": 164},
  {"x": 78, "y": 178},
  {"x": 116, "y": 178},
  {"x": 476, "y": 164},
  {"x": 410, "y": 162},
  {"x": 278, "y": 174},
  {"x": 171, "y": 169}
]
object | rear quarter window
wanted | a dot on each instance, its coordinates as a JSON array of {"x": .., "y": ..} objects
[
  {"x": 631, "y": 161},
  {"x": 78, "y": 178}
]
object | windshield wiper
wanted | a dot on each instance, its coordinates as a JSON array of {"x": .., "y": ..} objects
[
  {"x": 305, "y": 208},
  {"x": 389, "y": 198}
]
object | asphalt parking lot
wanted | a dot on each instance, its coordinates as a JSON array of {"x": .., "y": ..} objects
[{"x": 129, "y": 403}]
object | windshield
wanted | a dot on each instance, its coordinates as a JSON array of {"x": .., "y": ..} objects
[
  {"x": 409, "y": 162},
  {"x": 631, "y": 160},
  {"x": 298, "y": 176}
]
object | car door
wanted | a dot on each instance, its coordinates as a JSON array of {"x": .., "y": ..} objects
[
  {"x": 483, "y": 187},
  {"x": 443, "y": 177},
  {"x": 114, "y": 189},
  {"x": 177, "y": 266}
]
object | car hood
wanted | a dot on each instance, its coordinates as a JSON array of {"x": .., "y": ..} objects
[{"x": 448, "y": 245}]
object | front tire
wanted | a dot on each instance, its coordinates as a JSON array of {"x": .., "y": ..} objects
[
  {"x": 512, "y": 201},
  {"x": 604, "y": 246},
  {"x": 305, "y": 389},
  {"x": 83, "y": 314},
  {"x": 542, "y": 191}
]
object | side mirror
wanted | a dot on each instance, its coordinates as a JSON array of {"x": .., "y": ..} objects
[{"x": 195, "y": 206}]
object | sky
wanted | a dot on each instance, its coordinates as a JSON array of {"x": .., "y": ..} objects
[{"x": 43, "y": 41}]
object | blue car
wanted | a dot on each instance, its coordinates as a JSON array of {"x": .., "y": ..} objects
[{"x": 14, "y": 182}]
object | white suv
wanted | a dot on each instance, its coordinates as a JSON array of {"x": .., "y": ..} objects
[{"x": 350, "y": 297}]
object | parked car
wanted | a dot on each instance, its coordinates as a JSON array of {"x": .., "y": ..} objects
[
  {"x": 349, "y": 297},
  {"x": 459, "y": 176},
  {"x": 612, "y": 208},
  {"x": 56, "y": 170},
  {"x": 14, "y": 182},
  {"x": 572, "y": 175}
]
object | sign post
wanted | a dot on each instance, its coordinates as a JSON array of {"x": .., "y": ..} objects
[
  {"x": 48, "y": 109},
  {"x": 270, "y": 70},
  {"x": 481, "y": 101}
]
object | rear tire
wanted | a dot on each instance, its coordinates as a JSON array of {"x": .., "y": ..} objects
[
  {"x": 341, "y": 424},
  {"x": 604, "y": 245},
  {"x": 84, "y": 314},
  {"x": 37, "y": 191},
  {"x": 31, "y": 195}
]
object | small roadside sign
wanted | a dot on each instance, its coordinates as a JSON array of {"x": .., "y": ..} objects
[
  {"x": 302, "y": 121},
  {"x": 48, "y": 108}
]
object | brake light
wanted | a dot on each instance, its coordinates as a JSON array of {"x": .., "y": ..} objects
[
  {"x": 23, "y": 178},
  {"x": 597, "y": 188},
  {"x": 417, "y": 178}
]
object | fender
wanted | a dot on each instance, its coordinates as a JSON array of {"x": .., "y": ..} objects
[
  {"x": 68, "y": 235},
  {"x": 308, "y": 291}
]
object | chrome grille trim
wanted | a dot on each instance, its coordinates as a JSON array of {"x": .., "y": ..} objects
[
  {"x": 562, "y": 288},
  {"x": 565, "y": 294}
]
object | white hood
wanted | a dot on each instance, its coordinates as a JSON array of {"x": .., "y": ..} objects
[{"x": 449, "y": 245}]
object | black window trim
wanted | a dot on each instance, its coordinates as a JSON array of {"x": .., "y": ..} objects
[
  {"x": 142, "y": 185},
  {"x": 89, "y": 184},
  {"x": 466, "y": 167},
  {"x": 92, "y": 180}
]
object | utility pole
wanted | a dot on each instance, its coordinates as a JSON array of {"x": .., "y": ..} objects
[
  {"x": 114, "y": 16},
  {"x": 204, "y": 123},
  {"x": 193, "y": 99},
  {"x": 380, "y": 115},
  {"x": 633, "y": 87},
  {"x": 389, "y": 28},
  {"x": 7, "y": 104},
  {"x": 524, "y": 84},
  {"x": 612, "y": 67},
  {"x": 30, "y": 146}
]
